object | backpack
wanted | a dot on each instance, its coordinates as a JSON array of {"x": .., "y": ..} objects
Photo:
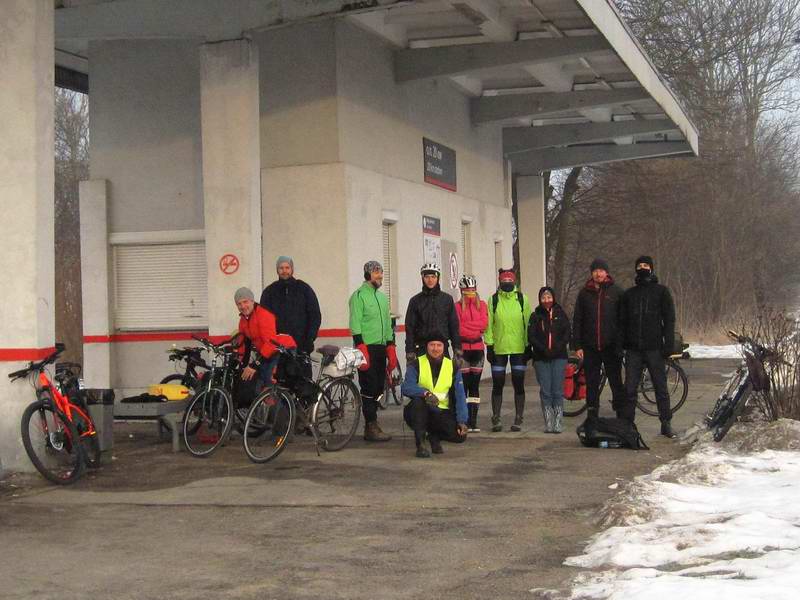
[{"x": 610, "y": 433}]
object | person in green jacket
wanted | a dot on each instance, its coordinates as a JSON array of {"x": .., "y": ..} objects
[
  {"x": 506, "y": 341},
  {"x": 371, "y": 328}
]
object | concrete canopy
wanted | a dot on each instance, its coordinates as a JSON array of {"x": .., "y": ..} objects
[{"x": 555, "y": 74}]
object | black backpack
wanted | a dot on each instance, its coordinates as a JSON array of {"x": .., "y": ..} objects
[{"x": 610, "y": 433}]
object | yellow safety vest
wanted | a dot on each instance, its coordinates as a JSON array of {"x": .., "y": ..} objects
[{"x": 441, "y": 388}]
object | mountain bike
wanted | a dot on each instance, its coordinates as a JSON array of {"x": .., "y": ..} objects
[
  {"x": 58, "y": 434},
  {"x": 329, "y": 407},
  {"x": 750, "y": 377},
  {"x": 391, "y": 388},
  {"x": 677, "y": 386}
]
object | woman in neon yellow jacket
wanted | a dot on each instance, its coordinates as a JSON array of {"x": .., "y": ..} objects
[{"x": 506, "y": 341}]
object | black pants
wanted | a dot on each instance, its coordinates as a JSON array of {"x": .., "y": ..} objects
[
  {"x": 635, "y": 362},
  {"x": 437, "y": 423},
  {"x": 518, "y": 366},
  {"x": 611, "y": 362},
  {"x": 372, "y": 381},
  {"x": 471, "y": 372}
]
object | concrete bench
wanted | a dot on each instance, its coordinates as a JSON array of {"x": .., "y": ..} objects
[{"x": 168, "y": 414}]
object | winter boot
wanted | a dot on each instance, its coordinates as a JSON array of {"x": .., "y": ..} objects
[
  {"x": 496, "y": 424},
  {"x": 558, "y": 419},
  {"x": 519, "y": 406},
  {"x": 549, "y": 418},
  {"x": 373, "y": 433},
  {"x": 422, "y": 451},
  {"x": 497, "y": 403},
  {"x": 436, "y": 444},
  {"x": 666, "y": 430},
  {"x": 472, "y": 420}
]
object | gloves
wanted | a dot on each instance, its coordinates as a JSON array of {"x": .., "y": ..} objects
[
  {"x": 391, "y": 357},
  {"x": 528, "y": 354},
  {"x": 411, "y": 358},
  {"x": 490, "y": 354},
  {"x": 459, "y": 361},
  {"x": 365, "y": 365},
  {"x": 431, "y": 400}
]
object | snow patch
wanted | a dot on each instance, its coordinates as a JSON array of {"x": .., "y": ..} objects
[
  {"x": 721, "y": 522},
  {"x": 727, "y": 351}
]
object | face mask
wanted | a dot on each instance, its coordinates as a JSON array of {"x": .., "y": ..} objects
[
  {"x": 507, "y": 286},
  {"x": 642, "y": 273}
]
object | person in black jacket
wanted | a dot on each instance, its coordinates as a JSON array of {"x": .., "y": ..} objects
[
  {"x": 597, "y": 337},
  {"x": 431, "y": 313},
  {"x": 648, "y": 319},
  {"x": 548, "y": 335},
  {"x": 294, "y": 305}
]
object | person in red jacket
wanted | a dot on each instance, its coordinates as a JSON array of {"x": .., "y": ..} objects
[
  {"x": 473, "y": 318},
  {"x": 258, "y": 327}
]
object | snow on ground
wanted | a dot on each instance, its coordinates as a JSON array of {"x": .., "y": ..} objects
[
  {"x": 722, "y": 522},
  {"x": 727, "y": 351}
]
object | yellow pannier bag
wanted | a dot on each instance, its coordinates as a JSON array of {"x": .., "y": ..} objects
[{"x": 170, "y": 391}]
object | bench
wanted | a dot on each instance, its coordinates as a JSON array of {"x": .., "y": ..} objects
[{"x": 168, "y": 414}]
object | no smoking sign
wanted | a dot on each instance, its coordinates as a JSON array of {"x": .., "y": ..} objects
[{"x": 229, "y": 264}]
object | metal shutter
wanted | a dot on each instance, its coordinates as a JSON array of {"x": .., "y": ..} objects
[
  {"x": 387, "y": 263},
  {"x": 160, "y": 286}
]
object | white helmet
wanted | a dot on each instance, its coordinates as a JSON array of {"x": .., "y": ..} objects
[
  {"x": 430, "y": 268},
  {"x": 468, "y": 281}
]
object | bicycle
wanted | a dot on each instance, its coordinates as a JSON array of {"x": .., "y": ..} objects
[
  {"x": 328, "y": 406},
  {"x": 210, "y": 415},
  {"x": 751, "y": 376},
  {"x": 194, "y": 361},
  {"x": 58, "y": 434},
  {"x": 677, "y": 386},
  {"x": 391, "y": 388}
]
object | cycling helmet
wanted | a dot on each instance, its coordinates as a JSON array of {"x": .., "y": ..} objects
[
  {"x": 468, "y": 281},
  {"x": 371, "y": 266},
  {"x": 430, "y": 268}
]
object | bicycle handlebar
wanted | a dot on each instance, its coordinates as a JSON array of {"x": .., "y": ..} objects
[{"x": 37, "y": 366}]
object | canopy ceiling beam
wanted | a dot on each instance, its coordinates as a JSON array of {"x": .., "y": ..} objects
[
  {"x": 522, "y": 139},
  {"x": 536, "y": 162},
  {"x": 442, "y": 61},
  {"x": 510, "y": 106}
]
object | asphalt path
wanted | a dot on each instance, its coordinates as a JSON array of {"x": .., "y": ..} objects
[{"x": 491, "y": 518}]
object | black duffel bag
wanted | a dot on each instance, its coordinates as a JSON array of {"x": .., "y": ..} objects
[{"x": 610, "y": 433}]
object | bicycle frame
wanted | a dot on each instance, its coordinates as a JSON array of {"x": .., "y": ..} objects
[{"x": 63, "y": 404}]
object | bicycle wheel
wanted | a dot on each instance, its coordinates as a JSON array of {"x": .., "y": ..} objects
[
  {"x": 397, "y": 379},
  {"x": 573, "y": 408},
  {"x": 48, "y": 438},
  {"x": 269, "y": 422},
  {"x": 87, "y": 435},
  {"x": 677, "y": 386},
  {"x": 174, "y": 378},
  {"x": 207, "y": 421},
  {"x": 336, "y": 414},
  {"x": 733, "y": 412}
]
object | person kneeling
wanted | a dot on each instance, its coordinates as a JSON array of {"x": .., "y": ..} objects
[{"x": 438, "y": 404}]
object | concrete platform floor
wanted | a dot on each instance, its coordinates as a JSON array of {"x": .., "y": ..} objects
[{"x": 492, "y": 518}]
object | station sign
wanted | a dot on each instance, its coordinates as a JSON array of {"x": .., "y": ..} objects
[{"x": 439, "y": 164}]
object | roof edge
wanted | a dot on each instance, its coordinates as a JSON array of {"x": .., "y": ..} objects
[{"x": 612, "y": 26}]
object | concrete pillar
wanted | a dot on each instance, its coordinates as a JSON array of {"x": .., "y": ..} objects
[
  {"x": 530, "y": 232},
  {"x": 95, "y": 270},
  {"x": 26, "y": 203},
  {"x": 229, "y": 106}
]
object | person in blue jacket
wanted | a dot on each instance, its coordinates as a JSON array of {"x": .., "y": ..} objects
[{"x": 438, "y": 403}]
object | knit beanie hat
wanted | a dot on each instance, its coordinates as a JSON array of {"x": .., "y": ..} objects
[
  {"x": 284, "y": 259},
  {"x": 506, "y": 275},
  {"x": 645, "y": 259},
  {"x": 243, "y": 293},
  {"x": 599, "y": 263}
]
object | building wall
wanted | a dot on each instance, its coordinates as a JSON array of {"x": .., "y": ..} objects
[{"x": 145, "y": 119}]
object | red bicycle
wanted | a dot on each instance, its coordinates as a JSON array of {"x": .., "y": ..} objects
[{"x": 58, "y": 434}]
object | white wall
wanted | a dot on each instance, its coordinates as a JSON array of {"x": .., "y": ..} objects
[{"x": 145, "y": 119}]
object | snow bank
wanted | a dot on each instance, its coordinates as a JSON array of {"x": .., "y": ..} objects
[
  {"x": 721, "y": 522},
  {"x": 727, "y": 351}
]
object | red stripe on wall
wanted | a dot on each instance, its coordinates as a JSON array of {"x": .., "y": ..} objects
[
  {"x": 20, "y": 354},
  {"x": 176, "y": 336}
]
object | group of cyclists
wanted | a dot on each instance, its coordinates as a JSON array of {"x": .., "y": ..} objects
[{"x": 443, "y": 388}]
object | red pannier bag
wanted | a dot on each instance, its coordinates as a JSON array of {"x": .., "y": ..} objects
[{"x": 569, "y": 381}]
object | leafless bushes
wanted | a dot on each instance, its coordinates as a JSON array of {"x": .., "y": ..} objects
[{"x": 775, "y": 330}]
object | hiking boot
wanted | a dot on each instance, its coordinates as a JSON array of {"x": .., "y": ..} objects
[
  {"x": 373, "y": 433},
  {"x": 436, "y": 445},
  {"x": 558, "y": 420},
  {"x": 422, "y": 452},
  {"x": 517, "y": 426},
  {"x": 666, "y": 430},
  {"x": 496, "y": 425}
]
